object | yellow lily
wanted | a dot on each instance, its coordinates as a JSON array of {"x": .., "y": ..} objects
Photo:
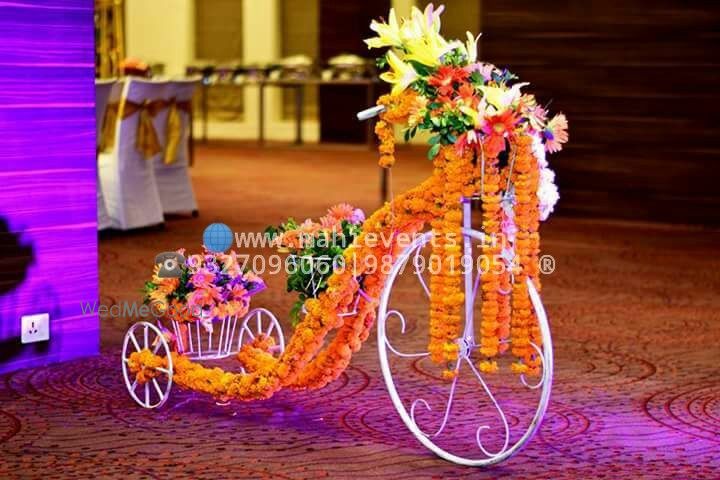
[
  {"x": 401, "y": 75},
  {"x": 471, "y": 47},
  {"x": 389, "y": 34},
  {"x": 422, "y": 37},
  {"x": 476, "y": 115},
  {"x": 501, "y": 98},
  {"x": 428, "y": 49},
  {"x": 429, "y": 20}
]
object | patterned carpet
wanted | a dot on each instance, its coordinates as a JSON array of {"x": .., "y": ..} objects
[{"x": 635, "y": 316}]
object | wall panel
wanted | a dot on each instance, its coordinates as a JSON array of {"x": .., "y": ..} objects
[{"x": 638, "y": 82}]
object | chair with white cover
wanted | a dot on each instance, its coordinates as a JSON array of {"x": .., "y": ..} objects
[
  {"x": 126, "y": 171},
  {"x": 104, "y": 90},
  {"x": 171, "y": 169}
]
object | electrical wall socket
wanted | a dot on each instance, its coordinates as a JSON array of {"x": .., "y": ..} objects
[{"x": 35, "y": 328}]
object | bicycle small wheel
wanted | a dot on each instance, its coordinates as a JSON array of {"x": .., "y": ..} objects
[
  {"x": 154, "y": 393},
  {"x": 261, "y": 321}
]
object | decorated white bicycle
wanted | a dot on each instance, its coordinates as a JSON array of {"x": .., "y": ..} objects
[{"x": 463, "y": 338}]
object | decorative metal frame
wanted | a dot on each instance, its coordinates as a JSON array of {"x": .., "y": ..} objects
[{"x": 467, "y": 344}]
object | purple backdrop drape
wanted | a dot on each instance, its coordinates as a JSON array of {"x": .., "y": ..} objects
[{"x": 48, "y": 207}]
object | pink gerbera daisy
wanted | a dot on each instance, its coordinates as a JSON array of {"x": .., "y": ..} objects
[
  {"x": 555, "y": 133},
  {"x": 341, "y": 211}
]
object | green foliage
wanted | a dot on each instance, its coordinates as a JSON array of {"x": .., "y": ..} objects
[
  {"x": 310, "y": 266},
  {"x": 455, "y": 57},
  {"x": 381, "y": 62}
]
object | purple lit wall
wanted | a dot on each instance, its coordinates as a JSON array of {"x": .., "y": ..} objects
[{"x": 48, "y": 235}]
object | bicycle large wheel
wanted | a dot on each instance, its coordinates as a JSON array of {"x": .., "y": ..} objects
[{"x": 461, "y": 430}]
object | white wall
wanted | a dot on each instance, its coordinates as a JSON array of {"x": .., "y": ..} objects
[{"x": 161, "y": 31}]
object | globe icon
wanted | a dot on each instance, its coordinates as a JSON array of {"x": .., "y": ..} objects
[{"x": 217, "y": 237}]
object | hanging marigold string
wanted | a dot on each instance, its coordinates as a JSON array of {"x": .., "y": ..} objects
[
  {"x": 524, "y": 328},
  {"x": 446, "y": 294},
  {"x": 491, "y": 195}
]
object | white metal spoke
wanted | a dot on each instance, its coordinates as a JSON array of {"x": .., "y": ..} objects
[
  {"x": 178, "y": 337},
  {"x": 134, "y": 385},
  {"x": 259, "y": 323},
  {"x": 220, "y": 339},
  {"x": 247, "y": 329},
  {"x": 157, "y": 388},
  {"x": 418, "y": 272},
  {"x": 147, "y": 394},
  {"x": 199, "y": 342},
  {"x": 131, "y": 335},
  {"x": 229, "y": 339},
  {"x": 163, "y": 370},
  {"x": 145, "y": 336}
]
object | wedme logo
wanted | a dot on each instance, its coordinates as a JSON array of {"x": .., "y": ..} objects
[{"x": 136, "y": 310}]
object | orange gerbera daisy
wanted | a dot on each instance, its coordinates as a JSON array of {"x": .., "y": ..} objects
[
  {"x": 496, "y": 129},
  {"x": 445, "y": 77},
  {"x": 466, "y": 93}
]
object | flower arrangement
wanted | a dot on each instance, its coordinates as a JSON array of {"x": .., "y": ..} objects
[
  {"x": 316, "y": 249},
  {"x": 469, "y": 106},
  {"x": 449, "y": 93},
  {"x": 211, "y": 285}
]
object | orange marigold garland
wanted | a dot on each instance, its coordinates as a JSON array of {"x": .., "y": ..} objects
[
  {"x": 491, "y": 196},
  {"x": 397, "y": 110},
  {"x": 505, "y": 240},
  {"x": 446, "y": 294},
  {"x": 524, "y": 328}
]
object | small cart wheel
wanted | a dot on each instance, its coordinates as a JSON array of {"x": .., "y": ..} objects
[
  {"x": 261, "y": 321},
  {"x": 139, "y": 337}
]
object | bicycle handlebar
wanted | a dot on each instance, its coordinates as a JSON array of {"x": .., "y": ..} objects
[{"x": 371, "y": 112}]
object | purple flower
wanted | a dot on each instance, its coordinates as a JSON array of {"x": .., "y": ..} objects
[{"x": 358, "y": 216}]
